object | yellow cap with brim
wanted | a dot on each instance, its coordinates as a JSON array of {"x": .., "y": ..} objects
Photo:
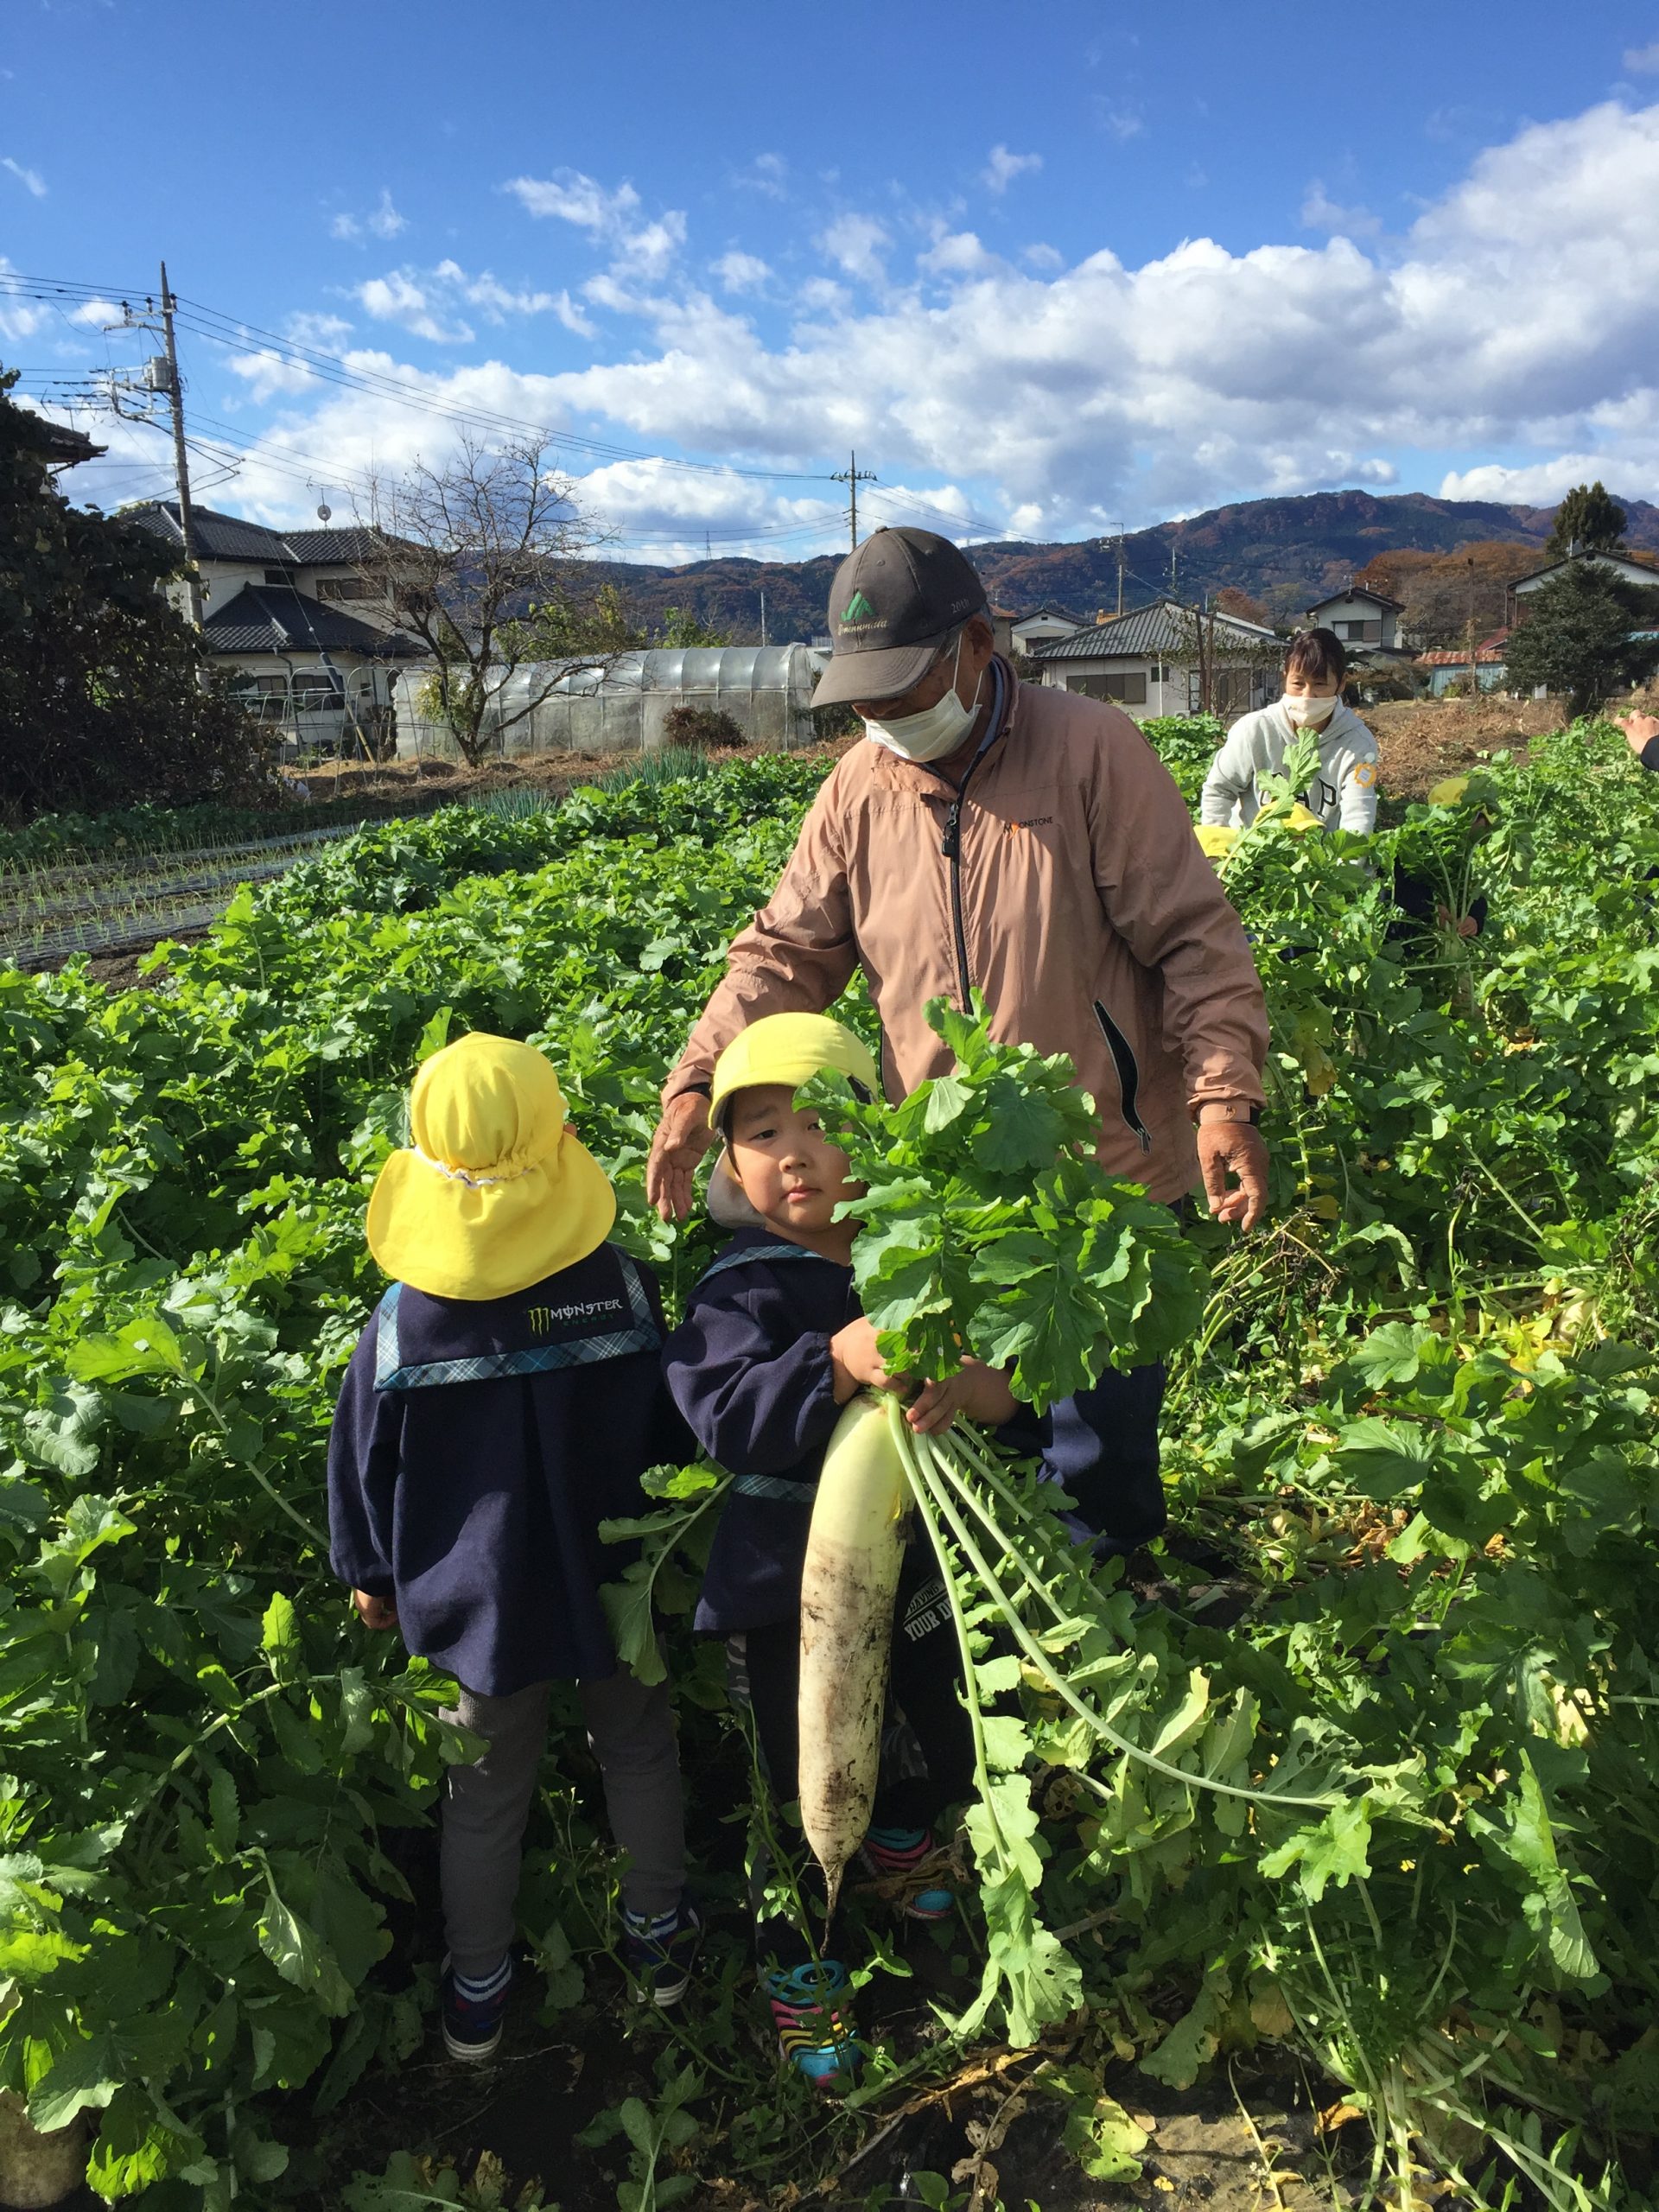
[
  {"x": 494, "y": 1193},
  {"x": 789, "y": 1048}
]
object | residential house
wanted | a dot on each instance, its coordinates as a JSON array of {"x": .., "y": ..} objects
[
  {"x": 1630, "y": 572},
  {"x": 1042, "y": 625},
  {"x": 1445, "y": 666},
  {"x": 1359, "y": 617},
  {"x": 1149, "y": 661},
  {"x": 60, "y": 448},
  {"x": 308, "y": 640}
]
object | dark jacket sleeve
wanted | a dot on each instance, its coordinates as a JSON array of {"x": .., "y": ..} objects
[
  {"x": 1648, "y": 755},
  {"x": 754, "y": 1409},
  {"x": 363, "y": 1458}
]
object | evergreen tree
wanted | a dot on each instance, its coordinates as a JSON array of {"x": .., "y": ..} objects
[
  {"x": 1574, "y": 637},
  {"x": 102, "y": 702},
  {"x": 1590, "y": 519}
]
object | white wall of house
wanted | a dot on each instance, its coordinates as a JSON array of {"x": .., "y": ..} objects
[
  {"x": 1146, "y": 687},
  {"x": 1376, "y": 624},
  {"x": 1040, "y": 630},
  {"x": 1631, "y": 572}
]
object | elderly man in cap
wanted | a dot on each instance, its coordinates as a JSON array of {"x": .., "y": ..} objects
[{"x": 1028, "y": 843}]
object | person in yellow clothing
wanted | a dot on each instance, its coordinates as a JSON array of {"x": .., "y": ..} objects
[{"x": 504, "y": 1400}]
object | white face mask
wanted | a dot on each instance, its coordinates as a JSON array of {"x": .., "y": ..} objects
[
  {"x": 1312, "y": 714},
  {"x": 937, "y": 731}
]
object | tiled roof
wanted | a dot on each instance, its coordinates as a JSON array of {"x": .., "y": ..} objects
[
  {"x": 228, "y": 538},
  {"x": 270, "y": 619},
  {"x": 64, "y": 446},
  {"x": 1164, "y": 628},
  {"x": 1358, "y": 591},
  {"x": 1457, "y": 656}
]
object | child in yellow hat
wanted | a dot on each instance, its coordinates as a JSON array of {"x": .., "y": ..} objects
[
  {"x": 773, "y": 1344},
  {"x": 504, "y": 1400}
]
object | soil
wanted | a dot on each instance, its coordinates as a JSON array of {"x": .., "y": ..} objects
[
  {"x": 1422, "y": 739},
  {"x": 431, "y": 782}
]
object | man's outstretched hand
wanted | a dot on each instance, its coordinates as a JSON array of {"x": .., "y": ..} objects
[
  {"x": 1233, "y": 1148},
  {"x": 683, "y": 1137},
  {"x": 1640, "y": 730}
]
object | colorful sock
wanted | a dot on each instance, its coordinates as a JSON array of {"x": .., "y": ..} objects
[
  {"x": 654, "y": 1926},
  {"x": 478, "y": 1989}
]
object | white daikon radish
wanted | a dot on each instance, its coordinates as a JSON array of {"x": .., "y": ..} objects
[
  {"x": 851, "y": 1577},
  {"x": 36, "y": 2169}
]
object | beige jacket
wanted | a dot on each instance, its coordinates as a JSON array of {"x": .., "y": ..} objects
[{"x": 1080, "y": 904}]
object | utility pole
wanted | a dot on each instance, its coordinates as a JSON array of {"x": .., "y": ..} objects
[
  {"x": 1474, "y": 673},
  {"x": 1120, "y": 572},
  {"x": 763, "y": 614},
  {"x": 180, "y": 458},
  {"x": 1172, "y": 572},
  {"x": 852, "y": 476}
]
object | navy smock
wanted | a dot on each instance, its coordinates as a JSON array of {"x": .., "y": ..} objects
[
  {"x": 477, "y": 1446},
  {"x": 749, "y": 1367}
]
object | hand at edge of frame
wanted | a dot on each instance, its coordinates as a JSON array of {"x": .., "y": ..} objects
[{"x": 683, "y": 1137}]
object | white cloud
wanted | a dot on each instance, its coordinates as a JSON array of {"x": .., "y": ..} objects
[
  {"x": 765, "y": 174},
  {"x": 427, "y": 302},
  {"x": 401, "y": 299},
  {"x": 741, "y": 272},
  {"x": 382, "y": 221},
  {"x": 573, "y": 318},
  {"x": 266, "y": 373},
  {"x": 958, "y": 253},
  {"x": 326, "y": 332},
  {"x": 573, "y": 197},
  {"x": 1043, "y": 256},
  {"x": 1642, "y": 60},
  {"x": 1123, "y": 122},
  {"x": 641, "y": 251},
  {"x": 96, "y": 315},
  {"x": 1001, "y": 168},
  {"x": 31, "y": 179},
  {"x": 822, "y": 295},
  {"x": 1519, "y": 315},
  {"x": 856, "y": 244},
  {"x": 1321, "y": 213}
]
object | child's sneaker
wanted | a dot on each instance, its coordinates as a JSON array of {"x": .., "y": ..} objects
[
  {"x": 811, "y": 2010},
  {"x": 659, "y": 1952},
  {"x": 472, "y": 2011},
  {"x": 907, "y": 1867}
]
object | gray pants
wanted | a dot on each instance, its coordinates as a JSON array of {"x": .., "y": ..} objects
[{"x": 631, "y": 1733}]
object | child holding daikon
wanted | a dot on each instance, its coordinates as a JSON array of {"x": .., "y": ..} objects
[
  {"x": 773, "y": 1348},
  {"x": 504, "y": 1398}
]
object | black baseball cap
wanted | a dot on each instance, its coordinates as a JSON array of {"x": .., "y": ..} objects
[{"x": 895, "y": 599}]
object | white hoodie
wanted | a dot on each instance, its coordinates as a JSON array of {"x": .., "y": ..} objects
[{"x": 1343, "y": 794}]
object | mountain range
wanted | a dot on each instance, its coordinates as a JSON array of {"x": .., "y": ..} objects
[{"x": 1284, "y": 552}]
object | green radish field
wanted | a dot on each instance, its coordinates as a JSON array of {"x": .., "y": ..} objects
[{"x": 1345, "y": 1798}]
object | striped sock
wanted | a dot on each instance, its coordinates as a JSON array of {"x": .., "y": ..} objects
[
  {"x": 654, "y": 1926},
  {"x": 478, "y": 1989}
]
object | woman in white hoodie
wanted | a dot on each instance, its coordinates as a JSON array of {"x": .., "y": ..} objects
[{"x": 1343, "y": 793}]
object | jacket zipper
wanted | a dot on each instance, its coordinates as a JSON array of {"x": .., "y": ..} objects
[
  {"x": 952, "y": 841},
  {"x": 1128, "y": 1073}
]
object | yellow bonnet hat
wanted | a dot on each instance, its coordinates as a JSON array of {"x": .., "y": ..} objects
[{"x": 494, "y": 1193}]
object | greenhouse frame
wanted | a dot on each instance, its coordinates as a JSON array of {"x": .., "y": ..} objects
[{"x": 622, "y": 705}]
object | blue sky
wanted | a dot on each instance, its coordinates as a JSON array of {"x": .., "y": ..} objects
[{"x": 1052, "y": 271}]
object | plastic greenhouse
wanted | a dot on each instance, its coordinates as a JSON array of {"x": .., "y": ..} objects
[{"x": 621, "y": 707}]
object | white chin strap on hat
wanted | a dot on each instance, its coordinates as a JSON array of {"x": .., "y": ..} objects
[{"x": 727, "y": 1204}]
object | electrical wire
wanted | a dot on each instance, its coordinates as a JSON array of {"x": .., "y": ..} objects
[{"x": 210, "y": 323}]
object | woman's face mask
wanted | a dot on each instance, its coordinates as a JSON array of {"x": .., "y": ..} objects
[
  {"x": 1302, "y": 712},
  {"x": 937, "y": 730}
]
